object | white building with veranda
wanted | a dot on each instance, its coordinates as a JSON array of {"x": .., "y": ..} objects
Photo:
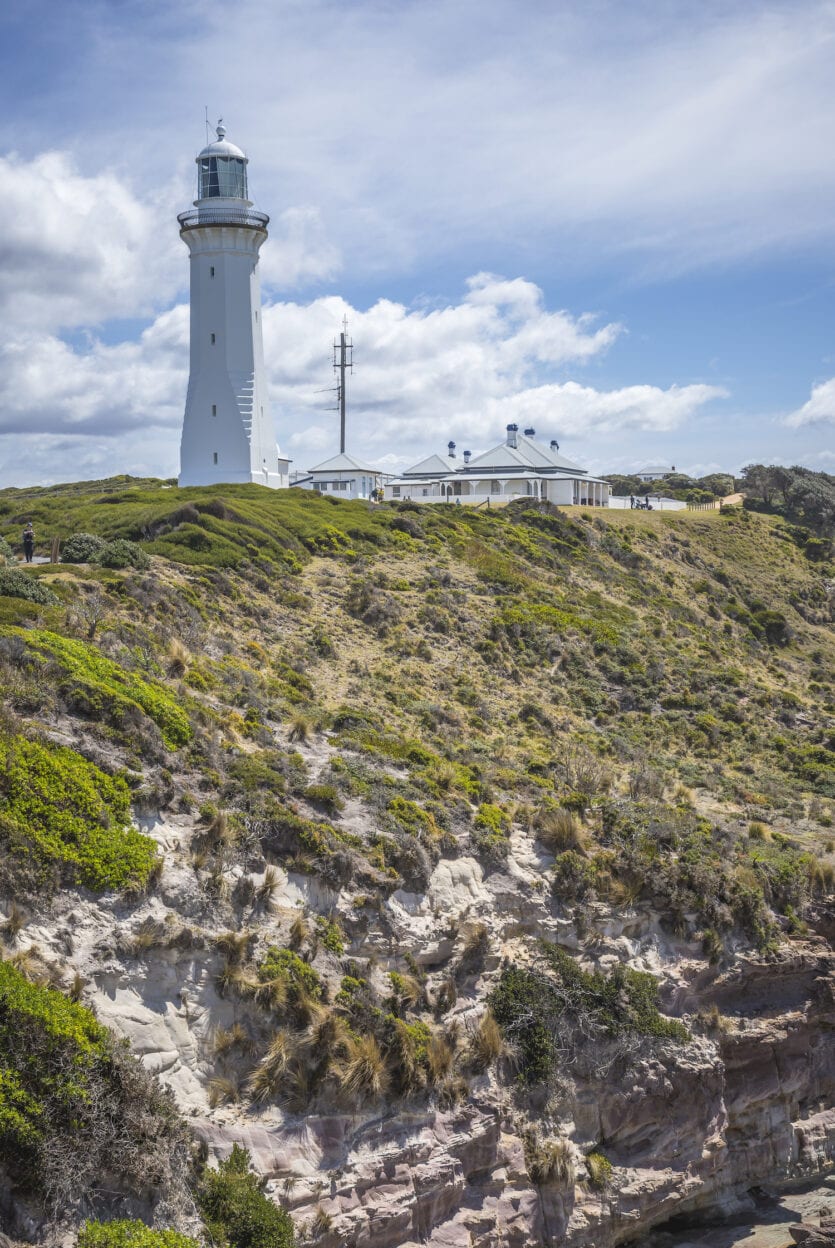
[
  {"x": 228, "y": 435},
  {"x": 519, "y": 467}
]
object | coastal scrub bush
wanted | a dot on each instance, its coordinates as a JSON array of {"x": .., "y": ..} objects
[
  {"x": 562, "y": 1009},
  {"x": 107, "y": 690},
  {"x": 60, "y": 811},
  {"x": 74, "y": 1104},
  {"x": 15, "y": 583},
  {"x": 599, "y": 1169},
  {"x": 237, "y": 1213},
  {"x": 491, "y": 830},
  {"x": 130, "y": 1233},
  {"x": 122, "y": 554},
  {"x": 298, "y": 975},
  {"x": 6, "y": 553},
  {"x": 82, "y": 548}
]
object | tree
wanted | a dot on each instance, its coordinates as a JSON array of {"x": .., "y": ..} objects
[{"x": 237, "y": 1212}]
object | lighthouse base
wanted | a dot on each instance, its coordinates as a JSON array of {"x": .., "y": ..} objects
[{"x": 272, "y": 480}]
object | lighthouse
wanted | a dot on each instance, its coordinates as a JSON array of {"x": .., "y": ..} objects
[{"x": 228, "y": 432}]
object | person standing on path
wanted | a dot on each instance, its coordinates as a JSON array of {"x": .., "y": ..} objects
[{"x": 28, "y": 542}]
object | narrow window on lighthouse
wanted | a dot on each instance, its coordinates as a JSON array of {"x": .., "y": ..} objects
[
  {"x": 214, "y": 409},
  {"x": 213, "y": 339},
  {"x": 212, "y": 271},
  {"x": 214, "y": 457},
  {"x": 256, "y": 316}
]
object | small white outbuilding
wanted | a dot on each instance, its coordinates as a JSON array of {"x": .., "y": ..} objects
[{"x": 343, "y": 476}]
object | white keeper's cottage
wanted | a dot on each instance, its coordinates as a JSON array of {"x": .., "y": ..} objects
[
  {"x": 344, "y": 477},
  {"x": 519, "y": 467}
]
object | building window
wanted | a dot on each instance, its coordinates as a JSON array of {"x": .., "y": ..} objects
[
  {"x": 212, "y": 271},
  {"x": 213, "y": 339},
  {"x": 495, "y": 487},
  {"x": 214, "y": 409},
  {"x": 256, "y": 314},
  {"x": 395, "y": 491},
  {"x": 425, "y": 493},
  {"x": 214, "y": 457}
]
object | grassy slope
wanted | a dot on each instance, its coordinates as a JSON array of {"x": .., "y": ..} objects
[{"x": 667, "y": 678}]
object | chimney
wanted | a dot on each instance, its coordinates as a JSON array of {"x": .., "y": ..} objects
[
  {"x": 467, "y": 455},
  {"x": 555, "y": 446},
  {"x": 512, "y": 431},
  {"x": 451, "y": 450},
  {"x": 530, "y": 433}
]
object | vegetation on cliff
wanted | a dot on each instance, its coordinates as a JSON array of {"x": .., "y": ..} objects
[{"x": 346, "y": 705}]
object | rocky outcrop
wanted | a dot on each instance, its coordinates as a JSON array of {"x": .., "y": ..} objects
[{"x": 686, "y": 1128}]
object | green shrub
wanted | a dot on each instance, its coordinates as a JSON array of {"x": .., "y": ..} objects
[
  {"x": 106, "y": 686},
  {"x": 127, "y": 1233},
  {"x": 57, "y": 809},
  {"x": 599, "y": 1169},
  {"x": 15, "y": 583},
  {"x": 491, "y": 830},
  {"x": 560, "y": 1008},
  {"x": 7, "y": 555},
  {"x": 74, "y": 1104},
  {"x": 122, "y": 554},
  {"x": 82, "y": 548},
  {"x": 297, "y": 974},
  {"x": 237, "y": 1213},
  {"x": 331, "y": 935}
]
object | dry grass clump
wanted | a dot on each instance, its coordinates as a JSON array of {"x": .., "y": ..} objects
[
  {"x": 559, "y": 829},
  {"x": 439, "y": 1059},
  {"x": 224, "y": 1090},
  {"x": 268, "y": 887},
  {"x": 178, "y": 658},
  {"x": 150, "y": 934},
  {"x": 486, "y": 1042},
  {"x": 226, "y": 1039},
  {"x": 270, "y": 1076},
  {"x": 14, "y": 922},
  {"x": 299, "y": 931},
  {"x": 232, "y": 978},
  {"x": 363, "y": 1072},
  {"x": 234, "y": 946},
  {"x": 549, "y": 1161},
  {"x": 713, "y": 1021},
  {"x": 821, "y": 877},
  {"x": 474, "y": 949},
  {"x": 300, "y": 728}
]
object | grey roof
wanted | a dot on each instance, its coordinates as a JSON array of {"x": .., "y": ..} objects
[
  {"x": 344, "y": 463},
  {"x": 431, "y": 466},
  {"x": 527, "y": 453}
]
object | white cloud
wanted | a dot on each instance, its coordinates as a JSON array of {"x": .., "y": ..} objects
[
  {"x": 423, "y": 375},
  {"x": 78, "y": 249},
  {"x": 818, "y": 408},
  {"x": 682, "y": 133},
  {"x": 578, "y": 410}
]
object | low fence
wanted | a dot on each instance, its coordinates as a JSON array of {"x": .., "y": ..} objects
[{"x": 657, "y": 502}]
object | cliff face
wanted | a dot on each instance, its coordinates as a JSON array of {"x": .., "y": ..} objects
[{"x": 479, "y": 878}]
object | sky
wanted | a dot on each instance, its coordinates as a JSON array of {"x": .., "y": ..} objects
[{"x": 612, "y": 222}]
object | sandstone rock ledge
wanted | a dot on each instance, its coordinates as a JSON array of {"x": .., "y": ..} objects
[{"x": 687, "y": 1130}]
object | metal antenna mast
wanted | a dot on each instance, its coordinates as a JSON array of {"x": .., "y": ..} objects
[{"x": 343, "y": 359}]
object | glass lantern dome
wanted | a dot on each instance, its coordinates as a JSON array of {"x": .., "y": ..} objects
[{"x": 221, "y": 170}]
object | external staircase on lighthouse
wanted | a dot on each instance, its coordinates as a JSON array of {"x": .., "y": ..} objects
[{"x": 228, "y": 432}]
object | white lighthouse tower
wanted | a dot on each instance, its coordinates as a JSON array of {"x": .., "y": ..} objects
[{"x": 228, "y": 432}]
